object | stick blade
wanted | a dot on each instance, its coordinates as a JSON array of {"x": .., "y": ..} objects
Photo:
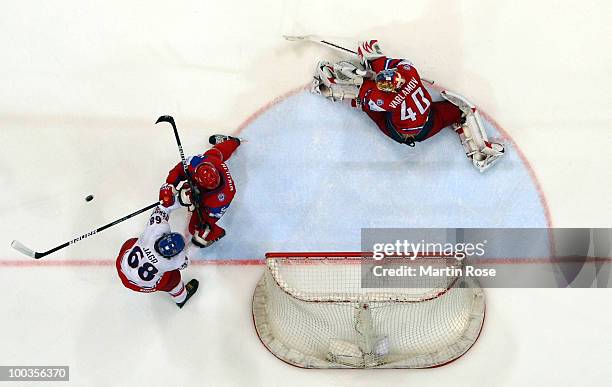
[
  {"x": 23, "y": 249},
  {"x": 298, "y": 38},
  {"x": 166, "y": 118}
]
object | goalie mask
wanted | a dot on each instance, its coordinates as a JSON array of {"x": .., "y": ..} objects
[
  {"x": 207, "y": 176},
  {"x": 389, "y": 80},
  {"x": 170, "y": 245}
]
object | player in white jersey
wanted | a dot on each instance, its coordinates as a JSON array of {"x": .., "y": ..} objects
[{"x": 152, "y": 262}]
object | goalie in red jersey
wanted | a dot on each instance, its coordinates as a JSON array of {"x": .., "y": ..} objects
[
  {"x": 391, "y": 92},
  {"x": 213, "y": 192}
]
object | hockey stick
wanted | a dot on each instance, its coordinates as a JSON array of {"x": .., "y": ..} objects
[
  {"x": 195, "y": 192},
  {"x": 36, "y": 255},
  {"x": 318, "y": 39}
]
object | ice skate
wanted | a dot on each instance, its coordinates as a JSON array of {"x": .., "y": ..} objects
[
  {"x": 488, "y": 156},
  {"x": 192, "y": 288},
  {"x": 219, "y": 138}
]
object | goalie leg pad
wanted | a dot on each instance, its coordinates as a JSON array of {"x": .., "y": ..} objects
[
  {"x": 472, "y": 134},
  {"x": 465, "y": 136},
  {"x": 489, "y": 156}
]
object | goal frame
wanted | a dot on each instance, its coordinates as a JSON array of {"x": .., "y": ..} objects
[{"x": 355, "y": 257}]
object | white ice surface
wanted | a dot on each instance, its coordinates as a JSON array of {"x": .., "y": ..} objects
[
  {"x": 110, "y": 336},
  {"x": 82, "y": 84}
]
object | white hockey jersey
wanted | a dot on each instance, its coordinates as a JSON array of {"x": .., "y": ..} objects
[{"x": 141, "y": 264}]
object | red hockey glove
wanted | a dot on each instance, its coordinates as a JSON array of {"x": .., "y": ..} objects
[{"x": 166, "y": 195}]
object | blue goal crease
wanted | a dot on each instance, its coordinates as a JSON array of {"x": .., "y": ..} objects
[{"x": 315, "y": 172}]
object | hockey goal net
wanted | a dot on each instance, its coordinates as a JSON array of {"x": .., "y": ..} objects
[{"x": 312, "y": 310}]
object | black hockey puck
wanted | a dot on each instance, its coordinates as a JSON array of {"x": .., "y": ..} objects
[{"x": 89, "y": 198}]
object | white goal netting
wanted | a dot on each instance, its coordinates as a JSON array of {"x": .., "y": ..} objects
[{"x": 313, "y": 310}]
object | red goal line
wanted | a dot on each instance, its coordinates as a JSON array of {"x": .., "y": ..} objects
[{"x": 348, "y": 257}]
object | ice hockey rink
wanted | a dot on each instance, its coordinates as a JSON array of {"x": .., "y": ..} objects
[{"x": 83, "y": 83}]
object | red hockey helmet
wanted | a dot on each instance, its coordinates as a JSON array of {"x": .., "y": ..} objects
[
  {"x": 207, "y": 176},
  {"x": 389, "y": 80}
]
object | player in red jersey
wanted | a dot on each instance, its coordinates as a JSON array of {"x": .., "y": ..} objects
[
  {"x": 215, "y": 189},
  {"x": 391, "y": 92}
]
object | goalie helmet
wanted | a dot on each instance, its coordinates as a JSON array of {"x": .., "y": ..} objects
[
  {"x": 170, "y": 244},
  {"x": 389, "y": 80},
  {"x": 207, "y": 176}
]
